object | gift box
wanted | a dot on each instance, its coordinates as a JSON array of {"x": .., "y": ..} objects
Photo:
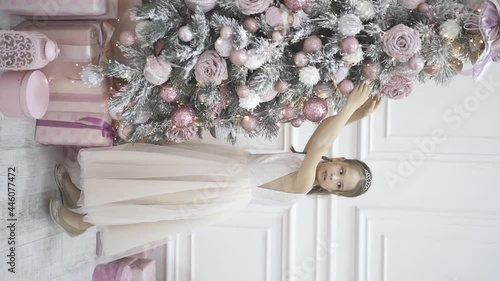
[
  {"x": 78, "y": 41},
  {"x": 143, "y": 270},
  {"x": 119, "y": 270},
  {"x": 75, "y": 96},
  {"x": 24, "y": 94},
  {"x": 62, "y": 9},
  {"x": 74, "y": 128}
]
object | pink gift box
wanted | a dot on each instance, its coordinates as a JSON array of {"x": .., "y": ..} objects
[
  {"x": 143, "y": 270},
  {"x": 74, "y": 128},
  {"x": 62, "y": 9},
  {"x": 81, "y": 42},
  {"x": 119, "y": 270},
  {"x": 74, "y": 96},
  {"x": 24, "y": 94}
]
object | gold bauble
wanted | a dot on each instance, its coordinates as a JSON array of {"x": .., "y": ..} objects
[
  {"x": 456, "y": 48},
  {"x": 430, "y": 69},
  {"x": 456, "y": 64}
]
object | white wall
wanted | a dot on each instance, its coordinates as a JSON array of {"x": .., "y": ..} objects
[{"x": 432, "y": 212}]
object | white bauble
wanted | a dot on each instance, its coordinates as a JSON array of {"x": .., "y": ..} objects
[
  {"x": 449, "y": 29},
  {"x": 157, "y": 70},
  {"x": 364, "y": 10},
  {"x": 254, "y": 60},
  {"x": 309, "y": 75},
  {"x": 350, "y": 25},
  {"x": 355, "y": 58},
  {"x": 204, "y": 5},
  {"x": 251, "y": 102}
]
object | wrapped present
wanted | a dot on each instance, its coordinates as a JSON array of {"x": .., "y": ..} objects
[
  {"x": 74, "y": 128},
  {"x": 143, "y": 270},
  {"x": 62, "y": 9},
  {"x": 75, "y": 96},
  {"x": 78, "y": 41},
  {"x": 119, "y": 270},
  {"x": 25, "y": 50},
  {"x": 24, "y": 94}
]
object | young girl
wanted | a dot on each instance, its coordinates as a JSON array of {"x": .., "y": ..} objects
[{"x": 140, "y": 194}]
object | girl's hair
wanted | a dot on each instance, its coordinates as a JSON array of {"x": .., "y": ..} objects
[{"x": 362, "y": 186}]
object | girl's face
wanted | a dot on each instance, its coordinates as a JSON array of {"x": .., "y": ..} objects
[{"x": 337, "y": 176}]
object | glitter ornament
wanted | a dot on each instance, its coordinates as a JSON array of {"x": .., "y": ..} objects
[
  {"x": 91, "y": 76},
  {"x": 365, "y": 10},
  {"x": 157, "y": 70},
  {"x": 350, "y": 25},
  {"x": 371, "y": 70},
  {"x": 185, "y": 34},
  {"x": 346, "y": 87},
  {"x": 295, "y": 5},
  {"x": 249, "y": 123},
  {"x": 324, "y": 90},
  {"x": 168, "y": 92},
  {"x": 179, "y": 135},
  {"x": 312, "y": 44},
  {"x": 315, "y": 109},
  {"x": 288, "y": 113},
  {"x": 182, "y": 116},
  {"x": 254, "y": 61},
  {"x": 297, "y": 122},
  {"x": 300, "y": 59},
  {"x": 127, "y": 38}
]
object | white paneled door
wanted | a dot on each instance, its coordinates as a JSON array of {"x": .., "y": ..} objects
[{"x": 433, "y": 212}]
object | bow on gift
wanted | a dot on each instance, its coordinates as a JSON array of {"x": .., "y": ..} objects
[
  {"x": 76, "y": 53},
  {"x": 489, "y": 25},
  {"x": 84, "y": 123}
]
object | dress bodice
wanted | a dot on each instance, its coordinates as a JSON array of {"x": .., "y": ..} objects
[{"x": 264, "y": 168}]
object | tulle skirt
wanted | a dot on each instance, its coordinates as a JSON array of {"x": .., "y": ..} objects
[{"x": 139, "y": 195}]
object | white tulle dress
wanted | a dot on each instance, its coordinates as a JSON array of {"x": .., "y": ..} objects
[{"x": 139, "y": 195}]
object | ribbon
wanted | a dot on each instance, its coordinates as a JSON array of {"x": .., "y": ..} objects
[
  {"x": 76, "y": 53},
  {"x": 84, "y": 123}
]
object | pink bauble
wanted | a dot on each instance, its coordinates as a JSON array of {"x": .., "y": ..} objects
[
  {"x": 127, "y": 38},
  {"x": 423, "y": 8},
  {"x": 243, "y": 91},
  {"x": 226, "y": 32},
  {"x": 249, "y": 123},
  {"x": 315, "y": 109},
  {"x": 300, "y": 59},
  {"x": 277, "y": 36},
  {"x": 341, "y": 74},
  {"x": 281, "y": 87},
  {"x": 346, "y": 87},
  {"x": 371, "y": 70},
  {"x": 239, "y": 57},
  {"x": 251, "y": 25},
  {"x": 116, "y": 115},
  {"x": 273, "y": 16},
  {"x": 182, "y": 116},
  {"x": 410, "y": 4},
  {"x": 417, "y": 63},
  {"x": 288, "y": 113},
  {"x": 123, "y": 131},
  {"x": 168, "y": 92},
  {"x": 295, "y": 5},
  {"x": 297, "y": 122},
  {"x": 349, "y": 45},
  {"x": 312, "y": 44}
]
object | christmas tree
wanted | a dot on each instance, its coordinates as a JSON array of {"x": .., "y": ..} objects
[{"x": 247, "y": 66}]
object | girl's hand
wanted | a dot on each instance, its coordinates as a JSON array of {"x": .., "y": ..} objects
[
  {"x": 358, "y": 96},
  {"x": 368, "y": 107}
]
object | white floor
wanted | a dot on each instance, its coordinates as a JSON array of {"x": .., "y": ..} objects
[{"x": 42, "y": 249}]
